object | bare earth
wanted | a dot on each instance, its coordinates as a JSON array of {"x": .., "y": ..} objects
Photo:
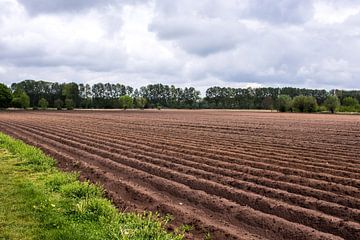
[{"x": 235, "y": 174}]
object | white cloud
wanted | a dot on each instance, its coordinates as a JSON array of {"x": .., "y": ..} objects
[{"x": 330, "y": 12}]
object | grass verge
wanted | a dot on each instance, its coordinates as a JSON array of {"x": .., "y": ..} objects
[{"x": 38, "y": 201}]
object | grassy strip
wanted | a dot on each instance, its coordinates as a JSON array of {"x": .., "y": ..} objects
[{"x": 40, "y": 202}]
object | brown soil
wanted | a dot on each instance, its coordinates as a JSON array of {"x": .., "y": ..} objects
[{"x": 237, "y": 175}]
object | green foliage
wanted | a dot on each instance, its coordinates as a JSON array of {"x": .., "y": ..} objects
[
  {"x": 126, "y": 102},
  {"x": 140, "y": 102},
  {"x": 322, "y": 108},
  {"x": 69, "y": 104},
  {"x": 350, "y": 102},
  {"x": 349, "y": 108},
  {"x": 16, "y": 103},
  {"x": 25, "y": 100},
  {"x": 81, "y": 190},
  {"x": 58, "y": 104},
  {"x": 43, "y": 103},
  {"x": 71, "y": 91},
  {"x": 268, "y": 103},
  {"x": 57, "y": 180},
  {"x": 94, "y": 209},
  {"x": 305, "y": 104},
  {"x": 284, "y": 103},
  {"x": 106, "y": 95},
  {"x": 21, "y": 101},
  {"x": 332, "y": 103},
  {"x": 31, "y": 157},
  {"x": 5, "y": 96},
  {"x": 48, "y": 204}
]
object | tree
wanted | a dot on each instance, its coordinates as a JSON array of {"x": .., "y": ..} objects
[
  {"x": 350, "y": 102},
  {"x": 304, "y": 104},
  {"x": 284, "y": 103},
  {"x": 43, "y": 103},
  {"x": 58, "y": 103},
  {"x": 310, "y": 104},
  {"x": 126, "y": 102},
  {"x": 71, "y": 91},
  {"x": 140, "y": 102},
  {"x": 21, "y": 100},
  {"x": 5, "y": 96},
  {"x": 25, "y": 100},
  {"x": 332, "y": 103},
  {"x": 267, "y": 103},
  {"x": 69, "y": 104}
]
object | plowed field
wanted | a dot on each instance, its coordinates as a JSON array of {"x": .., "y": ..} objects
[{"x": 237, "y": 175}]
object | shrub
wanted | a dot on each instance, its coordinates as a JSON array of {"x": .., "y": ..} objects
[
  {"x": 126, "y": 102},
  {"x": 25, "y": 100},
  {"x": 5, "y": 96},
  {"x": 349, "y": 109},
  {"x": 350, "y": 102},
  {"x": 69, "y": 104},
  {"x": 58, "y": 104},
  {"x": 21, "y": 101},
  {"x": 43, "y": 103},
  {"x": 304, "y": 104},
  {"x": 16, "y": 103},
  {"x": 322, "y": 109},
  {"x": 140, "y": 102},
  {"x": 284, "y": 103},
  {"x": 332, "y": 103}
]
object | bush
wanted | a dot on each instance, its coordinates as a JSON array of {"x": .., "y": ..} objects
[
  {"x": 69, "y": 104},
  {"x": 25, "y": 100},
  {"x": 21, "y": 101},
  {"x": 350, "y": 102},
  {"x": 43, "y": 103},
  {"x": 126, "y": 102},
  {"x": 16, "y": 103},
  {"x": 304, "y": 104},
  {"x": 140, "y": 102},
  {"x": 58, "y": 104},
  {"x": 5, "y": 96},
  {"x": 322, "y": 109},
  {"x": 349, "y": 108},
  {"x": 284, "y": 103},
  {"x": 332, "y": 103}
]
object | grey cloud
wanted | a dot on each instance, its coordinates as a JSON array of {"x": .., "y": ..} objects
[
  {"x": 281, "y": 11},
  {"x": 58, "y": 6},
  {"x": 46, "y": 6},
  {"x": 198, "y": 36}
]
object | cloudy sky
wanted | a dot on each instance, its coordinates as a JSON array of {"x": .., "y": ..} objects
[{"x": 238, "y": 43}]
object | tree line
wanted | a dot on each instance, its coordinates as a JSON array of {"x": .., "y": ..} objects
[{"x": 42, "y": 94}]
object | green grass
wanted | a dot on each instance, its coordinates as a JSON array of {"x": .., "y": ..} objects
[{"x": 37, "y": 201}]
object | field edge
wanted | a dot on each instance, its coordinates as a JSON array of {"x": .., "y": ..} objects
[{"x": 41, "y": 202}]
